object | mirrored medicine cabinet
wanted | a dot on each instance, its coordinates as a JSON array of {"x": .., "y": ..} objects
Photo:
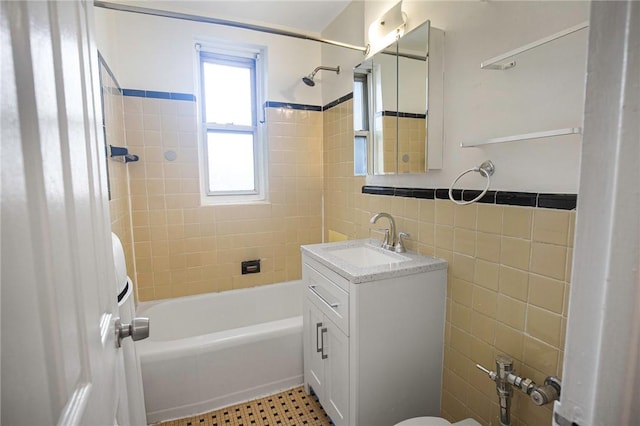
[{"x": 398, "y": 106}]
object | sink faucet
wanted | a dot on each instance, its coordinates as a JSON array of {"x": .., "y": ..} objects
[{"x": 389, "y": 242}]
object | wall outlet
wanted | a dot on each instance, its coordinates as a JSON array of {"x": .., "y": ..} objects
[{"x": 251, "y": 266}]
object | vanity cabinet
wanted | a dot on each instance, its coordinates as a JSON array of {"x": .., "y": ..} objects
[
  {"x": 373, "y": 337},
  {"x": 326, "y": 344},
  {"x": 327, "y": 362}
]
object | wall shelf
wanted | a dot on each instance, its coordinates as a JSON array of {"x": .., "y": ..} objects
[
  {"x": 498, "y": 62},
  {"x": 525, "y": 136}
]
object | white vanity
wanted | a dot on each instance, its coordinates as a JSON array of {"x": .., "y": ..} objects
[{"x": 373, "y": 331}]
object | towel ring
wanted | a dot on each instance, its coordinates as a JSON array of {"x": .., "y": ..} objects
[{"x": 486, "y": 169}]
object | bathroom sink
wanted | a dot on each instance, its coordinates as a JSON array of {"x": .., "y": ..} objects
[
  {"x": 366, "y": 256},
  {"x": 362, "y": 261}
]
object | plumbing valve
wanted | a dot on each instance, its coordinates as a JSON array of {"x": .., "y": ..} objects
[{"x": 540, "y": 395}]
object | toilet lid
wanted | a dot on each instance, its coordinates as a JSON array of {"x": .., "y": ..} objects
[
  {"x": 466, "y": 422},
  {"x": 424, "y": 421},
  {"x": 436, "y": 421}
]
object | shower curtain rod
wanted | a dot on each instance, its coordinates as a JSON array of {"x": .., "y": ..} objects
[{"x": 216, "y": 21}]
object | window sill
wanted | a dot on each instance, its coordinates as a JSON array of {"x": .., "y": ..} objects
[{"x": 231, "y": 201}]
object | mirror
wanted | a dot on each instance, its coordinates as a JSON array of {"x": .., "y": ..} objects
[{"x": 398, "y": 106}]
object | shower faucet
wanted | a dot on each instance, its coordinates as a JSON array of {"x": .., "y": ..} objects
[
  {"x": 308, "y": 80},
  {"x": 506, "y": 379}
]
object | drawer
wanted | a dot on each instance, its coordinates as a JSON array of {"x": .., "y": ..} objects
[{"x": 327, "y": 296}]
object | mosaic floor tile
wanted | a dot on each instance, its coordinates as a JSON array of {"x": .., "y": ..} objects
[{"x": 292, "y": 407}]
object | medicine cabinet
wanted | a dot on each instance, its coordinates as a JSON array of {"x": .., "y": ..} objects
[{"x": 398, "y": 105}]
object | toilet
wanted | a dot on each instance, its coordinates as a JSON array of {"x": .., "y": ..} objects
[{"x": 435, "y": 421}]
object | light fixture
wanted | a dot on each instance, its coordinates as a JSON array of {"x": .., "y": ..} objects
[{"x": 387, "y": 28}]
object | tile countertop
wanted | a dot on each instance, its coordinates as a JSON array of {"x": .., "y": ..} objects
[{"x": 415, "y": 263}]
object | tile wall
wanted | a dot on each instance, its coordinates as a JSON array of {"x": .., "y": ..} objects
[
  {"x": 184, "y": 248},
  {"x": 113, "y": 125},
  {"x": 412, "y": 133},
  {"x": 509, "y": 267},
  {"x": 408, "y": 154},
  {"x": 508, "y": 277}
]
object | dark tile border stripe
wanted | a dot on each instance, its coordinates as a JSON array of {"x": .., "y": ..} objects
[
  {"x": 558, "y": 201},
  {"x": 268, "y": 104},
  {"x": 383, "y": 113},
  {"x": 527, "y": 199},
  {"x": 159, "y": 95},
  {"x": 338, "y": 101},
  {"x": 302, "y": 107},
  {"x": 488, "y": 198},
  {"x": 378, "y": 190},
  {"x": 401, "y": 114}
]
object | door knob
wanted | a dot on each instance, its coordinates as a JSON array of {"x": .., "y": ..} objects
[{"x": 138, "y": 329}]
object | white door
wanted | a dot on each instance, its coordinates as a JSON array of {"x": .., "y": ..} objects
[
  {"x": 336, "y": 376},
  {"x": 313, "y": 362},
  {"x": 58, "y": 291},
  {"x": 601, "y": 370}
]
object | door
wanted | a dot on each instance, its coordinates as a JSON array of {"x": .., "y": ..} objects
[
  {"x": 58, "y": 284},
  {"x": 336, "y": 370},
  {"x": 313, "y": 334},
  {"x": 601, "y": 370}
]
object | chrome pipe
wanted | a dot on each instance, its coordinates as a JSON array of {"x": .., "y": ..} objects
[
  {"x": 506, "y": 379},
  {"x": 224, "y": 22},
  {"x": 504, "y": 368}
]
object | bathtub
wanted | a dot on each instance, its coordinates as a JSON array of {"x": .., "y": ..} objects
[{"x": 213, "y": 350}]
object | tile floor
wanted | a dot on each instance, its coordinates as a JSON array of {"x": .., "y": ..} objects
[{"x": 291, "y": 408}]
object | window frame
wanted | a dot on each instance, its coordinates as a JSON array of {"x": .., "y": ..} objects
[
  {"x": 253, "y": 58},
  {"x": 365, "y": 79}
]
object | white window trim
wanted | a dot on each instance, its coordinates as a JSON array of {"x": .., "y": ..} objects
[
  {"x": 225, "y": 47},
  {"x": 366, "y": 133}
]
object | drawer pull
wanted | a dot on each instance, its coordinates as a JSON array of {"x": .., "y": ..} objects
[
  {"x": 324, "y": 330},
  {"x": 318, "y": 348},
  {"x": 329, "y": 304}
]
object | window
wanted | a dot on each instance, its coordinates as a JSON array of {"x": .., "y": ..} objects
[
  {"x": 232, "y": 142},
  {"x": 360, "y": 123}
]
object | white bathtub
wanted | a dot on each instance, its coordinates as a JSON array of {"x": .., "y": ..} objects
[{"x": 214, "y": 350}]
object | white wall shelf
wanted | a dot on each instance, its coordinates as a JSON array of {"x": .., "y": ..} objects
[
  {"x": 498, "y": 62},
  {"x": 525, "y": 136}
]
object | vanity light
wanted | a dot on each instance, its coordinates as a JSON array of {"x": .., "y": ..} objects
[{"x": 387, "y": 28}]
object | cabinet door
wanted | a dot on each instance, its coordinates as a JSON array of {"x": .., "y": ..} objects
[
  {"x": 313, "y": 362},
  {"x": 336, "y": 365}
]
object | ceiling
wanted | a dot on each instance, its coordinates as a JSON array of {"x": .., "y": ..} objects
[{"x": 307, "y": 16}]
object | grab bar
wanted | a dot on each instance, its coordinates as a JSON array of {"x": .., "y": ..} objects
[{"x": 331, "y": 305}]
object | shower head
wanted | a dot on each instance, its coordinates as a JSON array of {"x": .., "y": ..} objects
[{"x": 308, "y": 80}]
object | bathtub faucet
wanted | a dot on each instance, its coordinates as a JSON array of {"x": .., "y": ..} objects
[{"x": 389, "y": 242}]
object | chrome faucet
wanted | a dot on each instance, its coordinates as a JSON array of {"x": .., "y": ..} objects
[
  {"x": 506, "y": 379},
  {"x": 389, "y": 242}
]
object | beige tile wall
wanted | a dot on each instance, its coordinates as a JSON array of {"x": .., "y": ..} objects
[
  {"x": 183, "y": 247},
  {"x": 389, "y": 158},
  {"x": 119, "y": 206},
  {"x": 508, "y": 277},
  {"x": 411, "y": 136},
  {"x": 509, "y": 267}
]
